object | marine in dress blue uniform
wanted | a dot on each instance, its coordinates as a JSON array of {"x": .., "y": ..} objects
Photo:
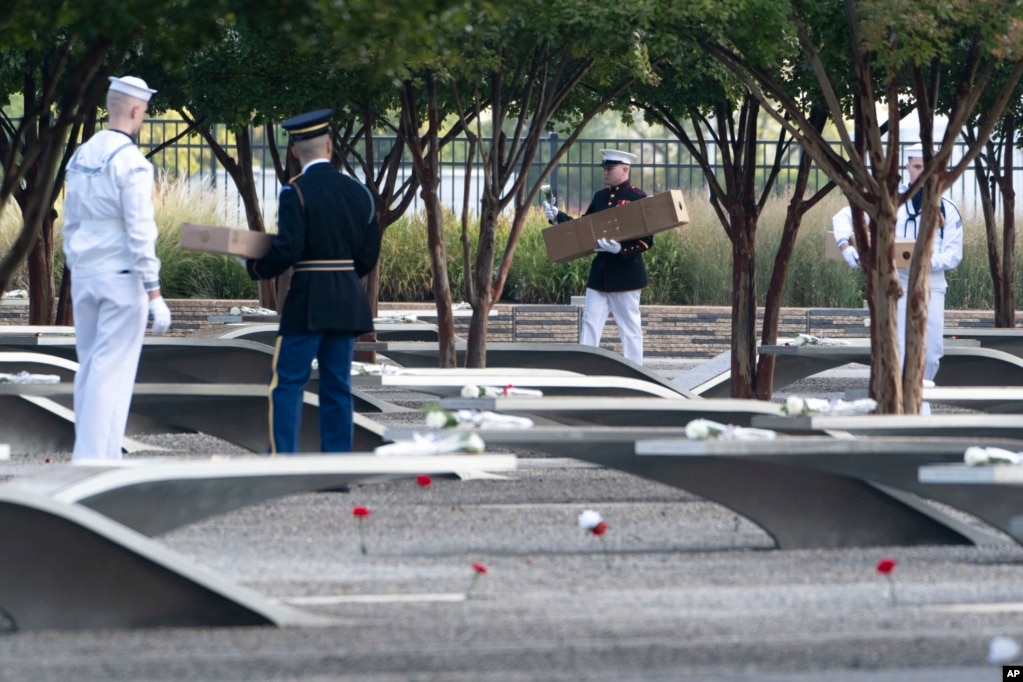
[
  {"x": 328, "y": 233},
  {"x": 618, "y": 272}
]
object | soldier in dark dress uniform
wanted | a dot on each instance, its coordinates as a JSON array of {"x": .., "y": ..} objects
[
  {"x": 618, "y": 272},
  {"x": 328, "y": 233}
]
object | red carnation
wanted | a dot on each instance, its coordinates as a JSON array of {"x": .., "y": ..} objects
[
  {"x": 477, "y": 570},
  {"x": 886, "y": 567},
  {"x": 599, "y": 529},
  {"x": 424, "y": 481},
  {"x": 361, "y": 514}
]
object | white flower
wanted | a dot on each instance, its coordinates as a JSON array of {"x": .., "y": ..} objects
[
  {"x": 975, "y": 456},
  {"x": 589, "y": 519},
  {"x": 471, "y": 391},
  {"x": 471, "y": 443},
  {"x": 795, "y": 405},
  {"x": 1002, "y": 650},
  {"x": 439, "y": 419},
  {"x": 697, "y": 429}
]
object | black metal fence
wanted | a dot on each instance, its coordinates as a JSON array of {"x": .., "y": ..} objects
[{"x": 663, "y": 164}]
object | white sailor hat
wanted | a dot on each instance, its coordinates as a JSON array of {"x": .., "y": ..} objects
[
  {"x": 613, "y": 157},
  {"x": 131, "y": 86},
  {"x": 914, "y": 151}
]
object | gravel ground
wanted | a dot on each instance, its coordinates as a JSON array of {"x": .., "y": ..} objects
[{"x": 678, "y": 589}]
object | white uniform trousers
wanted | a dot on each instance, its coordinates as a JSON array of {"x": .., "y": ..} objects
[
  {"x": 110, "y": 313},
  {"x": 935, "y": 346},
  {"x": 624, "y": 305}
]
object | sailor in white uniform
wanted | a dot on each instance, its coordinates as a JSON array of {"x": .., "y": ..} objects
[
  {"x": 110, "y": 248},
  {"x": 946, "y": 255}
]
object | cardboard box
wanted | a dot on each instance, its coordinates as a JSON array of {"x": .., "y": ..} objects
[
  {"x": 578, "y": 238},
  {"x": 903, "y": 250},
  {"x": 227, "y": 240}
]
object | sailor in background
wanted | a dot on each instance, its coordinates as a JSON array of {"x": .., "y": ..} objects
[
  {"x": 328, "y": 233},
  {"x": 618, "y": 272},
  {"x": 946, "y": 255},
  {"x": 110, "y": 248}
]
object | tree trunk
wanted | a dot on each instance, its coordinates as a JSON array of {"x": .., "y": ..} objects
[
  {"x": 476, "y": 353},
  {"x": 42, "y": 302},
  {"x": 1005, "y": 310},
  {"x": 744, "y": 308},
  {"x": 447, "y": 355},
  {"x": 883, "y": 291}
]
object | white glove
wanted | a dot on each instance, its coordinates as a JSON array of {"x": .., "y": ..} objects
[
  {"x": 608, "y": 246},
  {"x": 550, "y": 210},
  {"x": 244, "y": 262},
  {"x": 851, "y": 257},
  {"x": 161, "y": 315}
]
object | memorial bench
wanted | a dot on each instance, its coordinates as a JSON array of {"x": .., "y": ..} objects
[
  {"x": 452, "y": 383},
  {"x": 961, "y": 365},
  {"x": 586, "y": 360},
  {"x": 898, "y": 425},
  {"x": 37, "y": 418},
  {"x": 168, "y": 361},
  {"x": 623, "y": 412}
]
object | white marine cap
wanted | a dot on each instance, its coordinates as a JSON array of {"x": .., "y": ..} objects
[
  {"x": 613, "y": 157},
  {"x": 131, "y": 86}
]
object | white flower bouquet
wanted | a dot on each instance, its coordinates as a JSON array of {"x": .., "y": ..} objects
[
  {"x": 407, "y": 318},
  {"x": 546, "y": 194},
  {"x": 372, "y": 369},
  {"x": 796, "y": 406},
  {"x": 811, "y": 340},
  {"x": 247, "y": 310},
  {"x": 978, "y": 456},
  {"x": 473, "y": 391},
  {"x": 423, "y": 444},
  {"x": 478, "y": 419},
  {"x": 28, "y": 378},
  {"x": 705, "y": 429}
]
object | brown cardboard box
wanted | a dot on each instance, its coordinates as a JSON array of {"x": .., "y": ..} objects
[
  {"x": 226, "y": 240},
  {"x": 578, "y": 238},
  {"x": 903, "y": 250}
]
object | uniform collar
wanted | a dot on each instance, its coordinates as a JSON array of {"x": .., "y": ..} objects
[
  {"x": 619, "y": 188},
  {"x": 313, "y": 163}
]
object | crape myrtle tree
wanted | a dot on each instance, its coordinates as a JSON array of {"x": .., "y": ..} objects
[
  {"x": 58, "y": 55},
  {"x": 994, "y": 169},
  {"x": 547, "y": 61},
  {"x": 718, "y": 121},
  {"x": 339, "y": 61},
  {"x": 896, "y": 51}
]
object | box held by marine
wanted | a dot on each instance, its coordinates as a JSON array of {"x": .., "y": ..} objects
[
  {"x": 577, "y": 238},
  {"x": 229, "y": 241}
]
